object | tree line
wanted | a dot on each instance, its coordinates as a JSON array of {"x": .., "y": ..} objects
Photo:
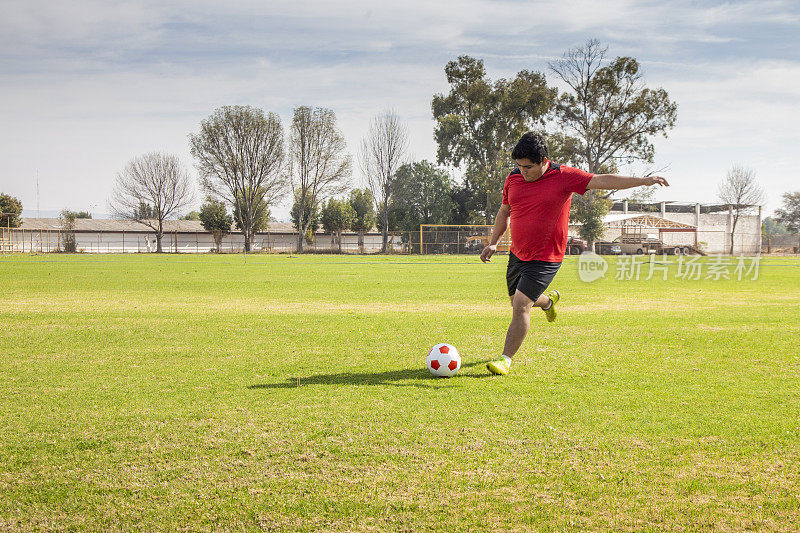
[
  {"x": 604, "y": 115},
  {"x": 601, "y": 116}
]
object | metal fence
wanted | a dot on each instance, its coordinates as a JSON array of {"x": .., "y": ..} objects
[
  {"x": 785, "y": 243},
  {"x": 430, "y": 240},
  {"x": 17, "y": 240}
]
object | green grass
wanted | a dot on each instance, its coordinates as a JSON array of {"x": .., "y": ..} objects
[{"x": 161, "y": 392}]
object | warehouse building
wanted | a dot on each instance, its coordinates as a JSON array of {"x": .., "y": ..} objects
[
  {"x": 706, "y": 227},
  {"x": 712, "y": 223},
  {"x": 183, "y": 236}
]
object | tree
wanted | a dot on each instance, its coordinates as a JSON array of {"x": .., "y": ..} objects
[
  {"x": 466, "y": 205},
  {"x": 421, "y": 194},
  {"x": 789, "y": 214},
  {"x": 382, "y": 151},
  {"x": 310, "y": 216},
  {"x": 156, "y": 180},
  {"x": 66, "y": 220},
  {"x": 214, "y": 217},
  {"x": 337, "y": 216},
  {"x": 770, "y": 226},
  {"x": 479, "y": 121},
  {"x": 605, "y": 117},
  {"x": 741, "y": 192},
  {"x": 319, "y": 165},
  {"x": 144, "y": 212},
  {"x": 589, "y": 213},
  {"x": 362, "y": 203},
  {"x": 260, "y": 218},
  {"x": 191, "y": 215},
  {"x": 74, "y": 215},
  {"x": 10, "y": 211},
  {"x": 608, "y": 115},
  {"x": 240, "y": 155},
  {"x": 363, "y": 206}
]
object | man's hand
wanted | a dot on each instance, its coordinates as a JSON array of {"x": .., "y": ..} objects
[
  {"x": 487, "y": 253},
  {"x": 655, "y": 180}
]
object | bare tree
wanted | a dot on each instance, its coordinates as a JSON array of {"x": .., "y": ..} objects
[
  {"x": 150, "y": 189},
  {"x": 319, "y": 165},
  {"x": 240, "y": 155},
  {"x": 381, "y": 155},
  {"x": 741, "y": 192}
]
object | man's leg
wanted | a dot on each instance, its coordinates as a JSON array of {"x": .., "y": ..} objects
[
  {"x": 547, "y": 303},
  {"x": 521, "y": 320},
  {"x": 543, "y": 301},
  {"x": 520, "y": 323}
]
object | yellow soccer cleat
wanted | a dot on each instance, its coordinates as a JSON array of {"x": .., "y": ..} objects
[
  {"x": 499, "y": 367},
  {"x": 551, "y": 313}
]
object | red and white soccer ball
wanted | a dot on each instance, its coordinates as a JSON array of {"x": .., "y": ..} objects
[{"x": 444, "y": 360}]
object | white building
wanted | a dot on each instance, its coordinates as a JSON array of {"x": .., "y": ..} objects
[{"x": 713, "y": 223}]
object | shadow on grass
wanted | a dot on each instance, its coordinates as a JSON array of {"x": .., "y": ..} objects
[{"x": 417, "y": 376}]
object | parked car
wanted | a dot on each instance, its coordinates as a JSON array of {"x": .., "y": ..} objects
[
  {"x": 576, "y": 246},
  {"x": 607, "y": 248},
  {"x": 649, "y": 244}
]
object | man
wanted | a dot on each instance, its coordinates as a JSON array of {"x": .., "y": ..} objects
[{"x": 536, "y": 200}]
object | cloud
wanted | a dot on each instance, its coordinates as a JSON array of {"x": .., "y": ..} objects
[{"x": 90, "y": 84}]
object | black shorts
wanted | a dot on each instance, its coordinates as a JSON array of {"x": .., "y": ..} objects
[{"x": 531, "y": 278}]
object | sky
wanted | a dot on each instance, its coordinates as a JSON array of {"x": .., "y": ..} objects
[{"x": 87, "y": 85}]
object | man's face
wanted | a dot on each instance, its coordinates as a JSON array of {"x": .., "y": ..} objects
[{"x": 531, "y": 171}]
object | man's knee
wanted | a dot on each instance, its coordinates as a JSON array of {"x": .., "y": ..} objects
[{"x": 521, "y": 303}]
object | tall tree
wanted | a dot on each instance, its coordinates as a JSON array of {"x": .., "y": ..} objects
[
  {"x": 605, "y": 117},
  {"x": 741, "y": 192},
  {"x": 10, "y": 211},
  {"x": 215, "y": 219},
  {"x": 466, "y": 205},
  {"x": 240, "y": 154},
  {"x": 382, "y": 152},
  {"x": 789, "y": 214},
  {"x": 308, "y": 213},
  {"x": 157, "y": 180},
  {"x": 66, "y": 220},
  {"x": 363, "y": 206},
  {"x": 319, "y": 164},
  {"x": 361, "y": 200},
  {"x": 337, "y": 216},
  {"x": 480, "y": 120},
  {"x": 260, "y": 218},
  {"x": 421, "y": 194}
]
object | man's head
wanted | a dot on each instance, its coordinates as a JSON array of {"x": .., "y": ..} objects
[{"x": 530, "y": 154}]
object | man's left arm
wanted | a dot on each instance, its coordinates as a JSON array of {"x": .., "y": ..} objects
[{"x": 613, "y": 181}]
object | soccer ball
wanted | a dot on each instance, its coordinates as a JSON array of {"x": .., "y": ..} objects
[{"x": 444, "y": 360}]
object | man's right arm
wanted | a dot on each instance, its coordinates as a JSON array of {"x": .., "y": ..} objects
[{"x": 500, "y": 227}]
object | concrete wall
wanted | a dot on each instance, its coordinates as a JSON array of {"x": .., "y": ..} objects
[
  {"x": 200, "y": 242},
  {"x": 714, "y": 232}
]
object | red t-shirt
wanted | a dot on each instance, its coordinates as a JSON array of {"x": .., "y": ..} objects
[{"x": 540, "y": 211}]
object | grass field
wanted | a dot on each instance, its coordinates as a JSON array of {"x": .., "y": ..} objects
[{"x": 290, "y": 393}]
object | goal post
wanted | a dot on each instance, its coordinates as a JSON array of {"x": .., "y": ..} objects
[{"x": 458, "y": 238}]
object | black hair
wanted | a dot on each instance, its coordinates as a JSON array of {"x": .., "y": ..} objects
[{"x": 531, "y": 146}]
